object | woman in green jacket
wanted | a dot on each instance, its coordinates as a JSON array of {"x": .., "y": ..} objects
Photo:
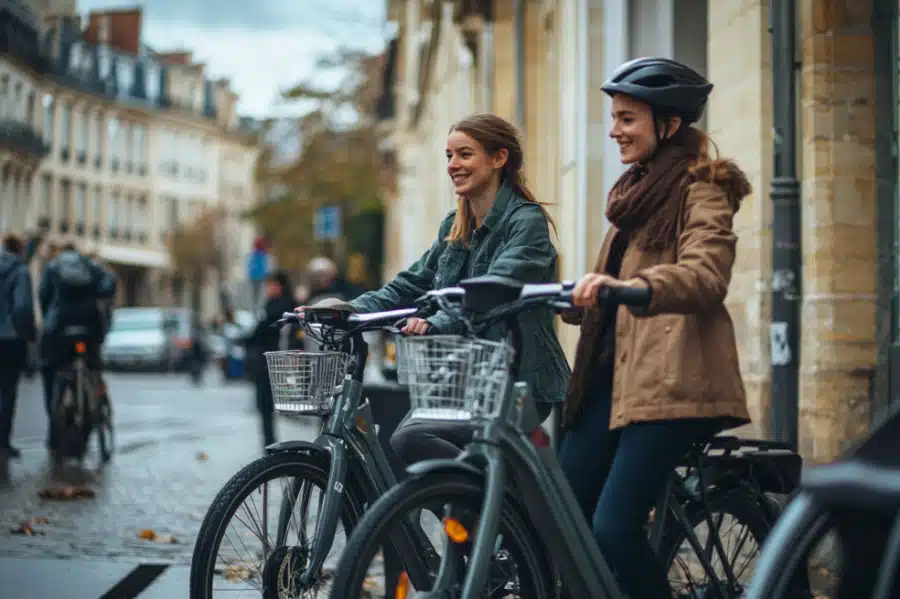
[{"x": 499, "y": 228}]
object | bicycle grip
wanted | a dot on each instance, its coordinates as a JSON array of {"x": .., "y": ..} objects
[{"x": 627, "y": 296}]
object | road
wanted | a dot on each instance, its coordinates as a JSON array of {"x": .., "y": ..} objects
[{"x": 176, "y": 446}]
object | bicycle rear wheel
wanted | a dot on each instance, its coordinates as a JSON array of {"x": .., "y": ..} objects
[
  {"x": 687, "y": 577},
  {"x": 104, "y": 421},
  {"x": 68, "y": 420},
  {"x": 520, "y": 567}
]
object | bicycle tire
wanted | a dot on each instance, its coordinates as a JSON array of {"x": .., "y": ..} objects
[
  {"x": 310, "y": 468},
  {"x": 413, "y": 493},
  {"x": 738, "y": 503},
  {"x": 67, "y": 444},
  {"x": 801, "y": 527},
  {"x": 105, "y": 428}
]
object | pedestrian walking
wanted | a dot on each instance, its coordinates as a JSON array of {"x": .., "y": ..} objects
[{"x": 17, "y": 329}]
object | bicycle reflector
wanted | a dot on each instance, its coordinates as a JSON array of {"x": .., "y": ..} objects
[
  {"x": 455, "y": 530},
  {"x": 402, "y": 588},
  {"x": 80, "y": 347}
]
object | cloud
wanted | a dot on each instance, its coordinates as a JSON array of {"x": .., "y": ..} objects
[
  {"x": 262, "y": 46},
  {"x": 260, "y": 15}
]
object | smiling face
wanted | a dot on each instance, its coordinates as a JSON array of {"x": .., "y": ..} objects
[
  {"x": 470, "y": 166},
  {"x": 632, "y": 128}
]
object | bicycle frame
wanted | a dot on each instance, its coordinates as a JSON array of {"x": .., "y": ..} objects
[
  {"x": 503, "y": 454},
  {"x": 349, "y": 442}
]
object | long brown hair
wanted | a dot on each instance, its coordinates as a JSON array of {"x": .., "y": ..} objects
[{"x": 494, "y": 134}]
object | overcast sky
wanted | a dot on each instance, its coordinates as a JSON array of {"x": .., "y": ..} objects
[{"x": 263, "y": 46}]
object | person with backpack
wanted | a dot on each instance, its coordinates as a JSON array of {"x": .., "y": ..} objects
[
  {"x": 17, "y": 329},
  {"x": 72, "y": 294}
]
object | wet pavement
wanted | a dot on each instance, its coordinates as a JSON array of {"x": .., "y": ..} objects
[{"x": 176, "y": 446}]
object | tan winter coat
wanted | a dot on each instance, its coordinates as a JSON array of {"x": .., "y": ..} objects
[{"x": 678, "y": 358}]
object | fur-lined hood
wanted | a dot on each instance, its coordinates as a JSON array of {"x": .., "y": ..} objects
[{"x": 727, "y": 175}]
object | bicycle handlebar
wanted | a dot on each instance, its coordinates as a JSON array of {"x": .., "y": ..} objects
[{"x": 555, "y": 295}]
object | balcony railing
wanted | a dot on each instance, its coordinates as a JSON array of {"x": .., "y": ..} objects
[{"x": 23, "y": 138}]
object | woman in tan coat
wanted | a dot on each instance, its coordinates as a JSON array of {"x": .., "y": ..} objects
[{"x": 649, "y": 383}]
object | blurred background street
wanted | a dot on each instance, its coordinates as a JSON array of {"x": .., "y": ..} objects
[{"x": 176, "y": 446}]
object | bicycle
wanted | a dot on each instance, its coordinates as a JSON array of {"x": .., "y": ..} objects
[
  {"x": 80, "y": 401},
  {"x": 509, "y": 474},
  {"x": 851, "y": 509},
  {"x": 346, "y": 462}
]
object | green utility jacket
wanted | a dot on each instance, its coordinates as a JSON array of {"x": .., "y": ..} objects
[{"x": 514, "y": 242}]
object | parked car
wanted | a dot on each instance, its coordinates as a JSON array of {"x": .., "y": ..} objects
[{"x": 139, "y": 339}]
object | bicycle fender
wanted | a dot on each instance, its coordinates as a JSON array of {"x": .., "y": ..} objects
[
  {"x": 307, "y": 448},
  {"x": 442, "y": 465}
]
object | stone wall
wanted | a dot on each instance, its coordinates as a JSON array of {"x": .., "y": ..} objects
[
  {"x": 838, "y": 164},
  {"x": 739, "y": 120}
]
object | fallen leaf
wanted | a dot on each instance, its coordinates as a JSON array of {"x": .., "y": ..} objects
[
  {"x": 202, "y": 456},
  {"x": 67, "y": 493},
  {"x": 237, "y": 573},
  {"x": 147, "y": 534}
]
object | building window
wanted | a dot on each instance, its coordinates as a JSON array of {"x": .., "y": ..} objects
[
  {"x": 65, "y": 212},
  {"x": 141, "y": 218},
  {"x": 152, "y": 74},
  {"x": 65, "y": 127},
  {"x": 127, "y": 145},
  {"x": 80, "y": 207},
  {"x": 138, "y": 149},
  {"x": 112, "y": 144},
  {"x": 101, "y": 136},
  {"x": 45, "y": 199},
  {"x": 125, "y": 72},
  {"x": 98, "y": 210},
  {"x": 81, "y": 131},
  {"x": 112, "y": 219},
  {"x": 49, "y": 105}
]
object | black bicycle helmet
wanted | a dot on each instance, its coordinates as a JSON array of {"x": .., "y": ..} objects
[{"x": 669, "y": 87}]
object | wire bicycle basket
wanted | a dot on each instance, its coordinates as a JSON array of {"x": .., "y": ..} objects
[
  {"x": 303, "y": 382},
  {"x": 455, "y": 378},
  {"x": 400, "y": 359}
]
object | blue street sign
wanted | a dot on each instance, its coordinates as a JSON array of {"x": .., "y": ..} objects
[
  {"x": 328, "y": 222},
  {"x": 257, "y": 265}
]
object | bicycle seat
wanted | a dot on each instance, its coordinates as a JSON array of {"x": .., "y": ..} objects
[
  {"x": 853, "y": 483},
  {"x": 75, "y": 330}
]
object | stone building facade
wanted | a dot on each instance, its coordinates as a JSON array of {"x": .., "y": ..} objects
[{"x": 540, "y": 64}]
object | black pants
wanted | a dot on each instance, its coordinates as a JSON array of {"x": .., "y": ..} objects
[
  {"x": 417, "y": 440},
  {"x": 265, "y": 403},
  {"x": 617, "y": 476},
  {"x": 9, "y": 388}
]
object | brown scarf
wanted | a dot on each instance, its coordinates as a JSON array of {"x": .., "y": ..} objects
[{"x": 646, "y": 200}]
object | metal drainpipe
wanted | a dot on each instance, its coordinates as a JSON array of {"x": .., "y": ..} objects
[
  {"x": 487, "y": 57},
  {"x": 786, "y": 241},
  {"x": 519, "y": 12}
]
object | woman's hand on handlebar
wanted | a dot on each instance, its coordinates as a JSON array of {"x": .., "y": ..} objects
[
  {"x": 587, "y": 289},
  {"x": 415, "y": 326}
]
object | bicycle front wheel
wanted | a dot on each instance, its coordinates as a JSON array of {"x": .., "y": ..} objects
[
  {"x": 241, "y": 556},
  {"x": 519, "y": 568}
]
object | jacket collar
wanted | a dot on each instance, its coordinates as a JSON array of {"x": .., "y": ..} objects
[{"x": 501, "y": 201}]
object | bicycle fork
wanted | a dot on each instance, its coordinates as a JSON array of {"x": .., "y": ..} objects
[
  {"x": 330, "y": 510},
  {"x": 485, "y": 534}
]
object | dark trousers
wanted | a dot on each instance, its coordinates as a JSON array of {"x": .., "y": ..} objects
[
  {"x": 9, "y": 388},
  {"x": 418, "y": 440},
  {"x": 265, "y": 403},
  {"x": 617, "y": 476}
]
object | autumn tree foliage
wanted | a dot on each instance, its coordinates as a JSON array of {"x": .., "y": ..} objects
[
  {"x": 198, "y": 251},
  {"x": 339, "y": 162}
]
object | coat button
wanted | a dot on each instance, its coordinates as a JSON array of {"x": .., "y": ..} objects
[
  {"x": 668, "y": 328},
  {"x": 622, "y": 357}
]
